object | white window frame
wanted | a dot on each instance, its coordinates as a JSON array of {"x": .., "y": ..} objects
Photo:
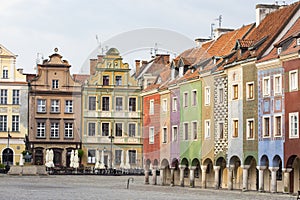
[
  {"x": 122, "y": 106},
  {"x": 55, "y": 84},
  {"x": 248, "y": 84},
  {"x": 233, "y": 128},
  {"x": 5, "y": 73},
  {"x": 278, "y": 91},
  {"x": 151, "y": 135},
  {"x": 185, "y": 99},
  {"x": 15, "y": 123},
  {"x": 105, "y": 105},
  {"x": 89, "y": 133},
  {"x": 233, "y": 92},
  {"x": 207, "y": 129},
  {"x": 3, "y": 123},
  {"x": 248, "y": 129},
  {"x": 194, "y": 99},
  {"x": 54, "y": 130},
  {"x": 275, "y": 125},
  {"x": 266, "y": 87},
  {"x": 194, "y": 130},
  {"x": 174, "y": 136},
  {"x": 151, "y": 107},
  {"x": 164, "y": 134},
  {"x": 293, "y": 115},
  {"x": 91, "y": 103},
  {"x": 174, "y": 104},
  {"x": 91, "y": 159},
  {"x": 69, "y": 106},
  {"x": 69, "y": 130},
  {"x": 264, "y": 127},
  {"x": 135, "y": 127},
  {"x": 122, "y": 129},
  {"x": 16, "y": 97},
  {"x": 165, "y": 105},
  {"x": 293, "y": 86},
  {"x": 221, "y": 95},
  {"x": 54, "y": 106},
  {"x": 130, "y": 107},
  {"x": 41, "y": 105},
  {"x": 185, "y": 131},
  {"x": 3, "y": 96},
  {"x": 41, "y": 129},
  {"x": 108, "y": 133},
  {"x": 207, "y": 96}
]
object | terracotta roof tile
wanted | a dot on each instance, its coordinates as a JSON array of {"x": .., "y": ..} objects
[{"x": 80, "y": 77}]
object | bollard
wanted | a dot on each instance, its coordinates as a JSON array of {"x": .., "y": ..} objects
[{"x": 128, "y": 181}]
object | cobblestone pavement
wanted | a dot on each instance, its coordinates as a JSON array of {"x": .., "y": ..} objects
[{"x": 111, "y": 187}]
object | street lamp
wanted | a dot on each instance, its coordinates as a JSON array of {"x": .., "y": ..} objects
[
  {"x": 111, "y": 137},
  {"x": 7, "y": 151}
]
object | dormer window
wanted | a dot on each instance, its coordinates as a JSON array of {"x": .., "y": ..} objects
[
  {"x": 298, "y": 41},
  {"x": 5, "y": 73},
  {"x": 279, "y": 50}
]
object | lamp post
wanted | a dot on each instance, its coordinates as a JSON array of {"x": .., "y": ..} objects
[
  {"x": 111, "y": 137},
  {"x": 7, "y": 151}
]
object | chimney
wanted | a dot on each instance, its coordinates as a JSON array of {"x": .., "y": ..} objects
[
  {"x": 137, "y": 66},
  {"x": 219, "y": 31},
  {"x": 93, "y": 64},
  {"x": 200, "y": 41},
  {"x": 20, "y": 70},
  {"x": 262, "y": 10}
]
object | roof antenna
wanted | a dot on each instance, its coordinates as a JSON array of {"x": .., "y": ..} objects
[{"x": 220, "y": 20}]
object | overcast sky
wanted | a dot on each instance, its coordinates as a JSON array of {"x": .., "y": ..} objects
[{"x": 29, "y": 27}]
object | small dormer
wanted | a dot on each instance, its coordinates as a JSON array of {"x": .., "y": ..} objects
[
  {"x": 279, "y": 49},
  {"x": 298, "y": 41}
]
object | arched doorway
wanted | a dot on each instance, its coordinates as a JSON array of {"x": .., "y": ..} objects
[
  {"x": 264, "y": 165},
  {"x": 175, "y": 165},
  {"x": 221, "y": 162},
  {"x": 294, "y": 163},
  {"x": 38, "y": 156},
  {"x": 197, "y": 172},
  {"x": 166, "y": 172},
  {"x": 236, "y": 178},
  {"x": 57, "y": 159},
  {"x": 8, "y": 156},
  {"x": 209, "y": 172},
  {"x": 252, "y": 183},
  {"x": 186, "y": 171}
]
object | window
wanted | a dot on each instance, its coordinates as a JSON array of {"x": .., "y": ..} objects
[
  {"x": 92, "y": 129},
  {"x": 54, "y": 84},
  {"x": 266, "y": 127},
  {"x": 54, "y": 106},
  {"x": 151, "y": 135},
  {"x": 235, "y": 89},
  {"x": 207, "y": 96},
  {"x": 5, "y": 73},
  {"x": 132, "y": 156},
  {"x": 3, "y": 97},
  {"x": 221, "y": 95},
  {"x": 294, "y": 125},
  {"x": 194, "y": 130},
  {"x": 277, "y": 84},
  {"x": 15, "y": 123},
  {"x": 132, "y": 104},
  {"x": 277, "y": 126},
  {"x": 151, "y": 108},
  {"x": 221, "y": 130},
  {"x": 250, "y": 128},
  {"x": 118, "y": 156},
  {"x": 68, "y": 130},
  {"x": 293, "y": 80},
  {"x": 16, "y": 97},
  {"x": 298, "y": 41},
  {"x": 174, "y": 104},
  {"x": 54, "y": 132},
  {"x": 105, "y": 103},
  {"x": 174, "y": 133},
  {"x": 131, "y": 130},
  {"x": 207, "y": 129},
  {"x": 186, "y": 131},
  {"x": 118, "y": 130},
  {"x": 105, "y": 80},
  {"x": 3, "y": 123},
  {"x": 235, "y": 132},
  {"x": 165, "y": 105},
  {"x": 266, "y": 86},
  {"x": 105, "y": 129},
  {"x": 194, "y": 97},
  {"x": 118, "y": 80},
  {"x": 164, "y": 135},
  {"x": 92, "y": 103},
  {"x": 119, "y": 103},
  {"x": 41, "y": 130},
  {"x": 279, "y": 49},
  {"x": 250, "y": 90},
  {"x": 185, "y": 99},
  {"x": 69, "y": 106},
  {"x": 91, "y": 156},
  {"x": 41, "y": 105}
]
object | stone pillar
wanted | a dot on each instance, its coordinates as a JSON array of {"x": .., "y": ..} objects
[
  {"x": 203, "y": 174},
  {"x": 286, "y": 180},
  {"x": 154, "y": 177},
  {"x": 192, "y": 176},
  {"x": 230, "y": 171},
  {"x": 245, "y": 177},
  {"x": 181, "y": 176},
  {"x": 172, "y": 176},
  {"x": 162, "y": 175},
  {"x": 261, "y": 178},
  {"x": 147, "y": 176},
  {"x": 217, "y": 174},
  {"x": 273, "y": 179}
]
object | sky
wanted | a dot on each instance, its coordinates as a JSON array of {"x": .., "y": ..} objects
[{"x": 80, "y": 29}]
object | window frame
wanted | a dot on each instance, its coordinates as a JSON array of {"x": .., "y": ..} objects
[
  {"x": 3, "y": 96},
  {"x": 164, "y": 134},
  {"x": 132, "y": 153},
  {"x": 151, "y": 107},
  {"x": 16, "y": 97},
  {"x": 250, "y": 90},
  {"x": 174, "y": 136},
  {"x": 165, "y": 105},
  {"x": 293, "y": 114},
  {"x": 105, "y": 104},
  {"x": 207, "y": 96},
  {"x": 54, "y": 131},
  {"x": 293, "y": 86},
  {"x": 275, "y": 128},
  {"x": 207, "y": 129},
  {"x": 194, "y": 130},
  {"x": 102, "y": 130},
  {"x": 117, "y": 81},
  {"x": 185, "y": 99},
  {"x": 5, "y": 73},
  {"x": 41, "y": 105},
  {"x": 15, "y": 124},
  {"x": 248, "y": 131},
  {"x": 55, "y": 84},
  {"x": 41, "y": 129},
  {"x": 55, "y": 108},
  {"x": 235, "y": 91},
  {"x": 68, "y": 130},
  {"x": 105, "y": 80},
  {"x": 235, "y": 128},
  {"x": 3, "y": 123},
  {"x": 279, "y": 92},
  {"x": 91, "y": 159},
  {"x": 151, "y": 135},
  {"x": 130, "y": 107},
  {"x": 194, "y": 99},
  {"x": 118, "y": 130},
  {"x": 185, "y": 131},
  {"x": 129, "y": 130},
  {"x": 119, "y": 108},
  {"x": 266, "y": 86},
  {"x": 174, "y": 104},
  {"x": 91, "y": 130},
  {"x": 265, "y": 127},
  {"x": 219, "y": 130},
  {"x": 92, "y": 103},
  {"x": 69, "y": 106}
]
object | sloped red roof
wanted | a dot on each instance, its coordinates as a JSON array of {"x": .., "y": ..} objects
[{"x": 80, "y": 77}]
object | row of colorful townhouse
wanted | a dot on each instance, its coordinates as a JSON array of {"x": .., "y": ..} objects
[
  {"x": 225, "y": 114},
  {"x": 98, "y": 113}
]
